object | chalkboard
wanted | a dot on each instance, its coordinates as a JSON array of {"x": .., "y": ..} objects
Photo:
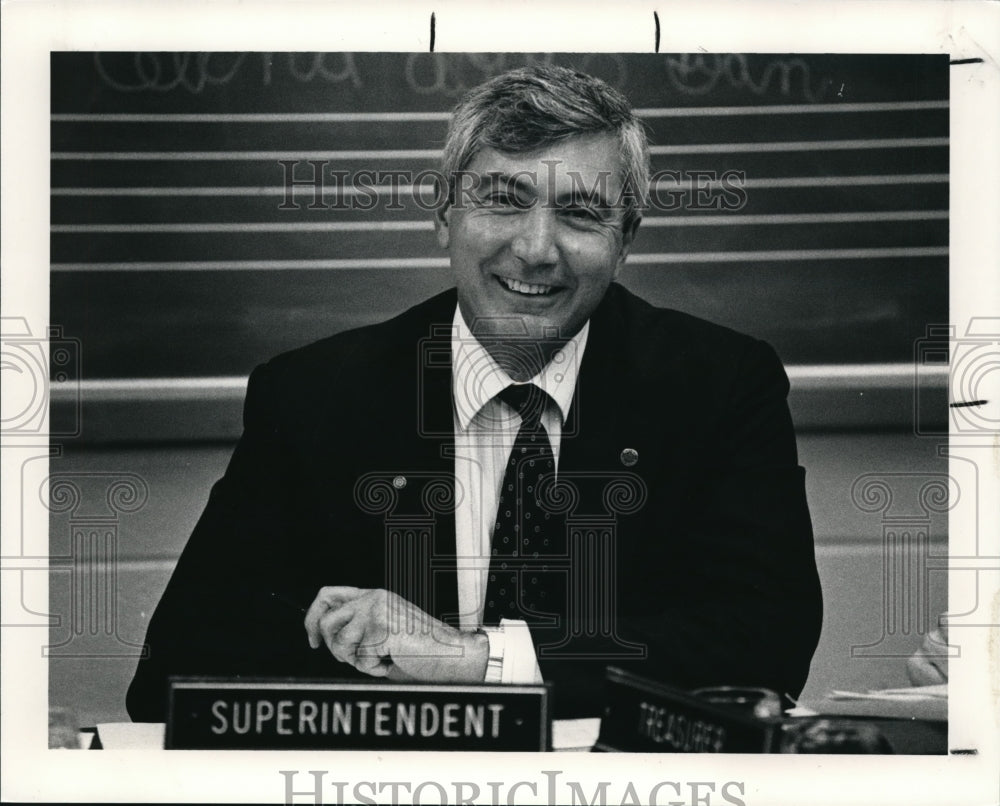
[{"x": 174, "y": 253}]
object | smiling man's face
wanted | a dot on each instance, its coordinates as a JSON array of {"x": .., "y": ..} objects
[{"x": 536, "y": 239}]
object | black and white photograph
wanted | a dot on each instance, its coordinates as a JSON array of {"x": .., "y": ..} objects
[{"x": 514, "y": 403}]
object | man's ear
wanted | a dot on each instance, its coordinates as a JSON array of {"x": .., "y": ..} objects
[
  {"x": 442, "y": 224},
  {"x": 628, "y": 237}
]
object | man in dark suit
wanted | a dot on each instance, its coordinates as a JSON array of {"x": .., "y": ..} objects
[{"x": 534, "y": 475}]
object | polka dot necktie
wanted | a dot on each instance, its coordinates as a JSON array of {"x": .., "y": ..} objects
[{"x": 525, "y": 533}]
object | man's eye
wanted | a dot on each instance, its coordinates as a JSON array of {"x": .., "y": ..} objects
[
  {"x": 502, "y": 198},
  {"x": 580, "y": 214}
]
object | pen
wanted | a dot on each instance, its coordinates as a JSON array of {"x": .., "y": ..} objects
[{"x": 284, "y": 600}]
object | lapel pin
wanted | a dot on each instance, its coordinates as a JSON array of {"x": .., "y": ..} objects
[
  {"x": 399, "y": 482},
  {"x": 629, "y": 457}
]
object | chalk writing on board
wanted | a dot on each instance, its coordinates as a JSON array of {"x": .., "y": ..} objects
[
  {"x": 330, "y": 67},
  {"x": 165, "y": 72},
  {"x": 453, "y": 74},
  {"x": 439, "y": 73},
  {"x": 450, "y": 74},
  {"x": 699, "y": 73}
]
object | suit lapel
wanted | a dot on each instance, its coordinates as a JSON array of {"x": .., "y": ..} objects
[
  {"x": 427, "y": 445},
  {"x": 436, "y": 449},
  {"x": 590, "y": 430}
]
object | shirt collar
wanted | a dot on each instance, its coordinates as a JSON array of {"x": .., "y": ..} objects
[{"x": 477, "y": 378}]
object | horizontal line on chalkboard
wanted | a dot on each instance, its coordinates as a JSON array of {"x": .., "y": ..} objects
[
  {"x": 113, "y": 387},
  {"x": 407, "y": 190},
  {"x": 808, "y": 375},
  {"x": 787, "y": 254},
  {"x": 790, "y": 109},
  {"x": 273, "y": 190},
  {"x": 268, "y": 265},
  {"x": 251, "y": 117},
  {"x": 429, "y": 117},
  {"x": 879, "y": 374},
  {"x": 651, "y": 259},
  {"x": 837, "y": 181},
  {"x": 427, "y": 153},
  {"x": 295, "y": 226},
  {"x": 725, "y": 219},
  {"x": 202, "y": 156},
  {"x": 801, "y": 145},
  {"x": 719, "y": 219}
]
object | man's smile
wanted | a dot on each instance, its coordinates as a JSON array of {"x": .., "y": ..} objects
[{"x": 526, "y": 289}]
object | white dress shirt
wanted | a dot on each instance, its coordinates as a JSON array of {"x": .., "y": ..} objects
[{"x": 485, "y": 429}]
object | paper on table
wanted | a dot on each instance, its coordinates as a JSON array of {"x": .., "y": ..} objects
[
  {"x": 918, "y": 702},
  {"x": 567, "y": 734},
  {"x": 131, "y": 735},
  {"x": 801, "y": 710},
  {"x": 938, "y": 691},
  {"x": 575, "y": 734}
]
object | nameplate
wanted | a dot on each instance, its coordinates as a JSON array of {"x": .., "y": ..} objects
[
  {"x": 214, "y": 714},
  {"x": 643, "y": 716}
]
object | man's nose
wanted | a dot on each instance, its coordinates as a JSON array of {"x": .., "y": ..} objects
[{"x": 535, "y": 241}]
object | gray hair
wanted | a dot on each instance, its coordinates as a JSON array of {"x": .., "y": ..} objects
[{"x": 534, "y": 107}]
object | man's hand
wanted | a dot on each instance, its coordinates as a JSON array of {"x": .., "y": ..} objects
[
  {"x": 928, "y": 666},
  {"x": 382, "y": 634}
]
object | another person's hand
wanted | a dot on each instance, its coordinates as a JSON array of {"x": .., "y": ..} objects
[
  {"x": 383, "y": 635},
  {"x": 928, "y": 666}
]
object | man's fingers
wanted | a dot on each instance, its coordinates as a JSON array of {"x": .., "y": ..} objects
[
  {"x": 372, "y": 651},
  {"x": 331, "y": 623},
  {"x": 374, "y": 631},
  {"x": 373, "y": 664},
  {"x": 344, "y": 593},
  {"x": 397, "y": 675},
  {"x": 379, "y": 670},
  {"x": 316, "y": 611},
  {"x": 344, "y": 634},
  {"x": 924, "y": 670},
  {"x": 329, "y": 598},
  {"x": 359, "y": 641}
]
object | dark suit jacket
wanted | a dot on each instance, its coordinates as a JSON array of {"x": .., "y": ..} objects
[{"x": 710, "y": 578}]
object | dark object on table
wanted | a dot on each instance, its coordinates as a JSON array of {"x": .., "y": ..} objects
[{"x": 822, "y": 735}]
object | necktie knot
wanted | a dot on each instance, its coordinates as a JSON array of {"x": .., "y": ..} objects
[{"x": 528, "y": 400}]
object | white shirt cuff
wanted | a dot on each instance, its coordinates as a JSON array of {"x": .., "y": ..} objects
[{"x": 519, "y": 666}]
